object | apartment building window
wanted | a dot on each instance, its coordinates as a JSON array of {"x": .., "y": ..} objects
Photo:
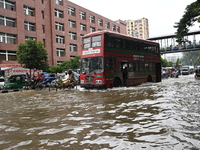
[
  {"x": 7, "y": 38},
  {"x": 8, "y": 55},
  {"x": 83, "y": 27},
  {"x": 6, "y": 4},
  {"x": 92, "y": 29},
  {"x": 71, "y": 11},
  {"x": 29, "y": 37},
  {"x": 59, "y": 62},
  {"x": 44, "y": 42},
  {"x": 100, "y": 22},
  {"x": 28, "y": 11},
  {"x": 60, "y": 52},
  {"x": 72, "y": 35},
  {"x": 59, "y": 26},
  {"x": 42, "y": 1},
  {"x": 59, "y": 2},
  {"x": 118, "y": 29},
  {"x": 71, "y": 56},
  {"x": 82, "y": 15},
  {"x": 114, "y": 27},
  {"x": 60, "y": 39},
  {"x": 91, "y": 18},
  {"x": 58, "y": 13},
  {"x": 107, "y": 25},
  {"x": 29, "y": 26},
  {"x": 6, "y": 21},
  {"x": 73, "y": 47},
  {"x": 43, "y": 28},
  {"x": 72, "y": 23},
  {"x": 42, "y": 12}
]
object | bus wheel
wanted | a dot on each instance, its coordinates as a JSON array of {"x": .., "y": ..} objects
[
  {"x": 149, "y": 79},
  {"x": 117, "y": 83}
]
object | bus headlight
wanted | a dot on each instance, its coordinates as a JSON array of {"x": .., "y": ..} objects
[
  {"x": 82, "y": 81},
  {"x": 98, "y": 81}
]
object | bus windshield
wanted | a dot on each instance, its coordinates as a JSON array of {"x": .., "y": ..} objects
[
  {"x": 92, "y": 65},
  {"x": 95, "y": 41}
]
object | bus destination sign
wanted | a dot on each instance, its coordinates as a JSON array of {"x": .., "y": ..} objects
[{"x": 91, "y": 51}]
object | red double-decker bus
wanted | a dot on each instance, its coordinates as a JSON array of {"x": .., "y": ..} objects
[{"x": 110, "y": 59}]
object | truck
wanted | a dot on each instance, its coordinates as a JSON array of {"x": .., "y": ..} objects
[
  {"x": 185, "y": 70},
  {"x": 191, "y": 69}
]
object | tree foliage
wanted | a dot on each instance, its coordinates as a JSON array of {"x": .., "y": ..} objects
[
  {"x": 72, "y": 64},
  {"x": 191, "y": 58},
  {"x": 32, "y": 55},
  {"x": 166, "y": 63},
  {"x": 191, "y": 15}
]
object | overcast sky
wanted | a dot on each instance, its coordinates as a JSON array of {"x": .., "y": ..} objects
[{"x": 162, "y": 14}]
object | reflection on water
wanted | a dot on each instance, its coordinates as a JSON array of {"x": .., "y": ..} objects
[{"x": 151, "y": 116}]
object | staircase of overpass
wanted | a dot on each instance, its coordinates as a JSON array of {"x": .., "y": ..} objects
[{"x": 168, "y": 43}]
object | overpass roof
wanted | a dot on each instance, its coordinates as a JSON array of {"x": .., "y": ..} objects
[{"x": 172, "y": 35}]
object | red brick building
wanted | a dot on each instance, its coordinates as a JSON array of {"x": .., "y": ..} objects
[{"x": 59, "y": 24}]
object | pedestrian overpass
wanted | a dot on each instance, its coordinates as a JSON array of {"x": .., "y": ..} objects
[{"x": 168, "y": 43}]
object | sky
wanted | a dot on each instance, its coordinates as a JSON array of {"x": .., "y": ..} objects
[{"x": 161, "y": 14}]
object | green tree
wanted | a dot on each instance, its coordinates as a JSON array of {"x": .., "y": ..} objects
[
  {"x": 32, "y": 55},
  {"x": 197, "y": 62},
  {"x": 190, "y": 58},
  {"x": 75, "y": 63},
  {"x": 72, "y": 64},
  {"x": 166, "y": 63},
  {"x": 53, "y": 69},
  {"x": 191, "y": 15},
  {"x": 178, "y": 63}
]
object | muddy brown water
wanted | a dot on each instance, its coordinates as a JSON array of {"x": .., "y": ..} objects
[{"x": 152, "y": 116}]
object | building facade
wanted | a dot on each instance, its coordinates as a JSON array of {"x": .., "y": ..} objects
[
  {"x": 59, "y": 24},
  {"x": 138, "y": 28}
]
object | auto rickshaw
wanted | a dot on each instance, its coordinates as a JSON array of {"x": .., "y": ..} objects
[{"x": 15, "y": 82}]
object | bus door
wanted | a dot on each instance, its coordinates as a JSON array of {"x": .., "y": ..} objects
[
  {"x": 158, "y": 72},
  {"x": 124, "y": 69}
]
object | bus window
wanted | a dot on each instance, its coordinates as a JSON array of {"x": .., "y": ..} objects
[
  {"x": 124, "y": 43},
  {"x": 151, "y": 66},
  {"x": 140, "y": 46},
  {"x": 96, "y": 41},
  {"x": 117, "y": 43},
  {"x": 110, "y": 63},
  {"x": 136, "y": 46},
  {"x": 131, "y": 66},
  {"x": 109, "y": 41},
  {"x": 146, "y": 65},
  {"x": 146, "y": 48},
  {"x": 86, "y": 42},
  {"x": 137, "y": 66},
  {"x": 141, "y": 66}
]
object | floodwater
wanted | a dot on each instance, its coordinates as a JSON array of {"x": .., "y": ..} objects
[{"x": 152, "y": 116}]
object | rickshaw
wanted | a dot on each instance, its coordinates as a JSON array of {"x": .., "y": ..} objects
[
  {"x": 15, "y": 82},
  {"x": 197, "y": 73}
]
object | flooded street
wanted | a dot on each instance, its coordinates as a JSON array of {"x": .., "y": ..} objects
[{"x": 152, "y": 116}]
